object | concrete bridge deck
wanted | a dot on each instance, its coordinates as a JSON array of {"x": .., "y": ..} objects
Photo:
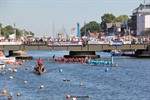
[{"x": 91, "y": 47}]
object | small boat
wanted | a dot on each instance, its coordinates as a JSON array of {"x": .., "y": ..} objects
[
  {"x": 116, "y": 53},
  {"x": 5, "y": 59},
  {"x": 8, "y": 59},
  {"x": 102, "y": 62},
  {"x": 2, "y": 66},
  {"x": 38, "y": 71}
]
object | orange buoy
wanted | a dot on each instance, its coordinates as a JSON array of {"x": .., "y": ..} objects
[
  {"x": 15, "y": 70},
  {"x": 8, "y": 62},
  {"x": 4, "y": 92},
  {"x": 15, "y": 63},
  {"x": 68, "y": 96}
]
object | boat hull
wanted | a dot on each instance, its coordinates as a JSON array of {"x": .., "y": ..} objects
[
  {"x": 2, "y": 66},
  {"x": 8, "y": 59}
]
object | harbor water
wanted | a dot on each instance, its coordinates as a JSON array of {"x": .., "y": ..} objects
[{"x": 130, "y": 80}]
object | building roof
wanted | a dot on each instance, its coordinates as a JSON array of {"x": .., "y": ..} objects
[
  {"x": 143, "y": 8},
  {"x": 118, "y": 24}
]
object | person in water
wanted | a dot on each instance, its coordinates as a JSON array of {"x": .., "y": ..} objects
[{"x": 40, "y": 62}]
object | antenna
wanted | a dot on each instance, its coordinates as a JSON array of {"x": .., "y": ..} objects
[
  {"x": 144, "y": 2},
  {"x": 53, "y": 30}
]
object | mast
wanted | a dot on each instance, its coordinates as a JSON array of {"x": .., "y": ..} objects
[
  {"x": 14, "y": 31},
  {"x": 53, "y": 30}
]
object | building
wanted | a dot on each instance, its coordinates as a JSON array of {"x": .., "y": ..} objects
[{"x": 140, "y": 19}]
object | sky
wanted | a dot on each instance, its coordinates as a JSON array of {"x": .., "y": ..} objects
[{"x": 48, "y": 17}]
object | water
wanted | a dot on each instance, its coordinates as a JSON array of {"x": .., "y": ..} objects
[{"x": 130, "y": 80}]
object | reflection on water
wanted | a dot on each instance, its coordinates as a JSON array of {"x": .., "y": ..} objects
[{"x": 128, "y": 81}]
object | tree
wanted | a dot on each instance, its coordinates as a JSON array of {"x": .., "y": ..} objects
[
  {"x": 122, "y": 18},
  {"x": 92, "y": 26},
  {"x": 6, "y": 31},
  {"x": 103, "y": 26},
  {"x": 145, "y": 32},
  {"x": 18, "y": 33},
  {"x": 0, "y": 25},
  {"x": 0, "y": 28},
  {"x": 108, "y": 18}
]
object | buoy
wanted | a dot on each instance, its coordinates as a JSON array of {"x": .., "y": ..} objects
[
  {"x": 42, "y": 87},
  {"x": 4, "y": 92},
  {"x": 11, "y": 93},
  {"x": 3, "y": 73},
  {"x": 15, "y": 63},
  {"x": 68, "y": 96},
  {"x": 10, "y": 69},
  {"x": 26, "y": 68},
  {"x": 25, "y": 82},
  {"x": 10, "y": 77},
  {"x": 10, "y": 97},
  {"x": 106, "y": 70},
  {"x": 60, "y": 70},
  {"x": 74, "y": 98},
  {"x": 15, "y": 70},
  {"x": 18, "y": 94},
  {"x": 8, "y": 62},
  {"x": 81, "y": 84}
]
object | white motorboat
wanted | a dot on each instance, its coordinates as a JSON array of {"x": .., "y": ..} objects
[
  {"x": 5, "y": 59},
  {"x": 8, "y": 59}
]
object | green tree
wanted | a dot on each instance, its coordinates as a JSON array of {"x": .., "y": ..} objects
[
  {"x": 1, "y": 25},
  {"x": 103, "y": 26},
  {"x": 145, "y": 32},
  {"x": 108, "y": 18},
  {"x": 18, "y": 33},
  {"x": 6, "y": 31},
  {"x": 0, "y": 28},
  {"x": 92, "y": 26},
  {"x": 122, "y": 18}
]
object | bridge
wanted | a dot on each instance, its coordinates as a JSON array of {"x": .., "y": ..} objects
[{"x": 88, "y": 47}]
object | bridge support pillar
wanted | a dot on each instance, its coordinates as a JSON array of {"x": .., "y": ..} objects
[
  {"x": 10, "y": 53},
  {"x": 143, "y": 53},
  {"x": 82, "y": 54}
]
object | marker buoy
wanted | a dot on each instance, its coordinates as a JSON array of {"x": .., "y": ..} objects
[
  {"x": 3, "y": 73},
  {"x": 42, "y": 87},
  {"x": 15, "y": 70},
  {"x": 8, "y": 62},
  {"x": 81, "y": 84},
  {"x": 15, "y": 63},
  {"x": 26, "y": 68},
  {"x": 10, "y": 77},
  {"x": 106, "y": 70},
  {"x": 18, "y": 94},
  {"x": 68, "y": 96},
  {"x": 74, "y": 98},
  {"x": 60, "y": 70},
  {"x": 25, "y": 82},
  {"x": 4, "y": 92},
  {"x": 10, "y": 69}
]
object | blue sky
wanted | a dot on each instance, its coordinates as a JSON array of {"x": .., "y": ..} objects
[{"x": 40, "y": 16}]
